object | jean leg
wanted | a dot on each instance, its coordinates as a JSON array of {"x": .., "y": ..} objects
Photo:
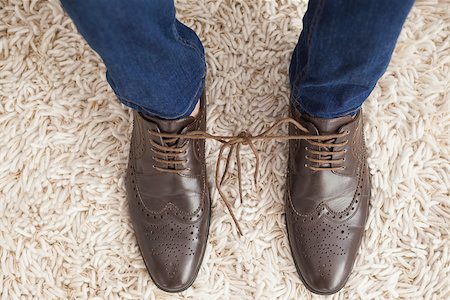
[
  {"x": 155, "y": 64},
  {"x": 344, "y": 48}
]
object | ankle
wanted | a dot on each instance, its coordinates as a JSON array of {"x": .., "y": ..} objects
[{"x": 196, "y": 109}]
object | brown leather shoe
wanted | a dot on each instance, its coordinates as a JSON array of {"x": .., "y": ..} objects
[
  {"x": 327, "y": 201},
  {"x": 168, "y": 198}
]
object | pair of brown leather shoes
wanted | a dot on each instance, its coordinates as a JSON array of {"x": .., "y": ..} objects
[{"x": 326, "y": 204}]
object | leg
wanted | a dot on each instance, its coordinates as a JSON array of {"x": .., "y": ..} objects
[
  {"x": 343, "y": 50},
  {"x": 155, "y": 64}
]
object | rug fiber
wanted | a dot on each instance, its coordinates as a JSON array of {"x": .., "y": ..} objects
[{"x": 64, "y": 141}]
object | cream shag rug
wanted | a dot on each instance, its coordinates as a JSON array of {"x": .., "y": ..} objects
[{"x": 64, "y": 141}]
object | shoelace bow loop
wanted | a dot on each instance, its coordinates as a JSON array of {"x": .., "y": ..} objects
[{"x": 234, "y": 143}]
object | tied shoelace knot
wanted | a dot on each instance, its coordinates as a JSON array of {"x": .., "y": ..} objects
[{"x": 175, "y": 155}]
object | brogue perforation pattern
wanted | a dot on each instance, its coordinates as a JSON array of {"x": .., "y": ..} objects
[
  {"x": 165, "y": 247},
  {"x": 315, "y": 248}
]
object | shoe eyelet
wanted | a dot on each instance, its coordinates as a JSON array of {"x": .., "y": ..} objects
[
  {"x": 306, "y": 166},
  {"x": 306, "y": 148}
]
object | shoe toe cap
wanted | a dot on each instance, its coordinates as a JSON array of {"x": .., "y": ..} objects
[
  {"x": 172, "y": 250},
  {"x": 326, "y": 279},
  {"x": 324, "y": 253},
  {"x": 173, "y": 267},
  {"x": 172, "y": 276}
]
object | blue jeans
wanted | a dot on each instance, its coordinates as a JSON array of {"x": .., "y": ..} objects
[{"x": 156, "y": 65}]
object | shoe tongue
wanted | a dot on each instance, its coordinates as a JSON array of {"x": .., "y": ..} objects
[
  {"x": 171, "y": 126},
  {"x": 328, "y": 126}
]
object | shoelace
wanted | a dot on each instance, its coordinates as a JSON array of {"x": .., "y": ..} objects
[
  {"x": 325, "y": 155},
  {"x": 244, "y": 138},
  {"x": 173, "y": 153}
]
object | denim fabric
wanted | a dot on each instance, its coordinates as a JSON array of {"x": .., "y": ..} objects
[
  {"x": 343, "y": 50},
  {"x": 156, "y": 64}
]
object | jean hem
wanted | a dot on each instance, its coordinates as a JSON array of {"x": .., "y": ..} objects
[
  {"x": 163, "y": 115},
  {"x": 299, "y": 106},
  {"x": 190, "y": 108}
]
